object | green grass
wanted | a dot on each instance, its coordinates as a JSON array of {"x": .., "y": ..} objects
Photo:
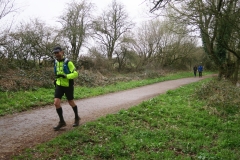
[
  {"x": 13, "y": 102},
  {"x": 174, "y": 125}
]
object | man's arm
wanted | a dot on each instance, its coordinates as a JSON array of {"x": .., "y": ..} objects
[{"x": 73, "y": 72}]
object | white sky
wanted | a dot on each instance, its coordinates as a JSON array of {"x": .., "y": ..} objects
[{"x": 49, "y": 10}]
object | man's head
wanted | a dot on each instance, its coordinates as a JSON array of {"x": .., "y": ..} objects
[{"x": 58, "y": 52}]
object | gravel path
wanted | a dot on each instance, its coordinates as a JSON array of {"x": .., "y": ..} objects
[{"x": 29, "y": 128}]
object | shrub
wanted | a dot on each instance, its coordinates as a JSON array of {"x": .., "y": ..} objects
[{"x": 222, "y": 95}]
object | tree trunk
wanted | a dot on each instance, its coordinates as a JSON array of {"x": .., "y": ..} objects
[{"x": 235, "y": 75}]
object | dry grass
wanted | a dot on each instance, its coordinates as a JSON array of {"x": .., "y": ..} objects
[{"x": 31, "y": 79}]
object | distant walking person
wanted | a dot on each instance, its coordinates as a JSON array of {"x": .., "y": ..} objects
[
  {"x": 195, "y": 70},
  {"x": 65, "y": 72},
  {"x": 200, "y": 70}
]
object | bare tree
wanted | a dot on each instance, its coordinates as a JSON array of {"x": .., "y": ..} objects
[
  {"x": 159, "y": 44},
  {"x": 125, "y": 56},
  {"x": 110, "y": 28},
  {"x": 160, "y": 5},
  {"x": 76, "y": 25},
  {"x": 217, "y": 22},
  {"x": 32, "y": 41},
  {"x": 149, "y": 38},
  {"x": 7, "y": 7}
]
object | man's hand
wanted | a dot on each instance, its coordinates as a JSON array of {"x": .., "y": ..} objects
[{"x": 61, "y": 75}]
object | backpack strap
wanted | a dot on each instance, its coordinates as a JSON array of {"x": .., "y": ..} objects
[
  {"x": 55, "y": 66},
  {"x": 65, "y": 66},
  {"x": 66, "y": 60}
]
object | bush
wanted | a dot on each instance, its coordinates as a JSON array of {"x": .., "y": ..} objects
[
  {"x": 222, "y": 95},
  {"x": 31, "y": 79}
]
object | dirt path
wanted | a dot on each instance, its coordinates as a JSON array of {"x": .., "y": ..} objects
[{"x": 29, "y": 128}]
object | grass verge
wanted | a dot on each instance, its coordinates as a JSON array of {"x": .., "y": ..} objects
[
  {"x": 175, "y": 125},
  {"x": 13, "y": 102}
]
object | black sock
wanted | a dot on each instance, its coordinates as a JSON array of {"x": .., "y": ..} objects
[
  {"x": 60, "y": 114},
  {"x": 75, "y": 109}
]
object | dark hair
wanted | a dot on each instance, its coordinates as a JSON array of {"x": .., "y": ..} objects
[{"x": 57, "y": 49}]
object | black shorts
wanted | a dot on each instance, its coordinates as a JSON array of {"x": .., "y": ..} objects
[{"x": 60, "y": 91}]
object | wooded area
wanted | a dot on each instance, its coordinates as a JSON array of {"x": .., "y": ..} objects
[
  {"x": 217, "y": 22},
  {"x": 186, "y": 33}
]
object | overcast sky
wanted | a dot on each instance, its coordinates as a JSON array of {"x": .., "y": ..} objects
[{"x": 49, "y": 10}]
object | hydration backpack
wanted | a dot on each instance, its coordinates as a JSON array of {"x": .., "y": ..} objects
[{"x": 65, "y": 66}]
